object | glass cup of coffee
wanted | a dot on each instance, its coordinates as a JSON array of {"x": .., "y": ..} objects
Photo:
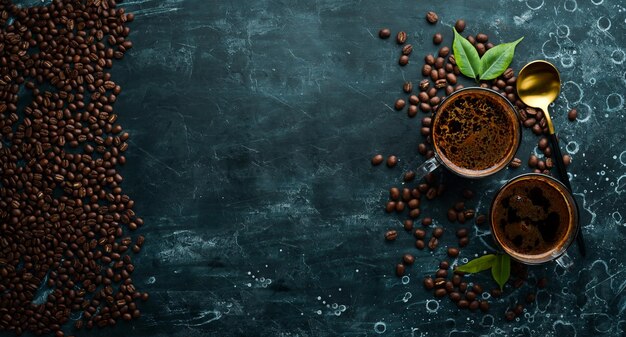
[
  {"x": 534, "y": 219},
  {"x": 475, "y": 133}
]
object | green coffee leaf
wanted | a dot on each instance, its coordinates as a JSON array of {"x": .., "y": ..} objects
[
  {"x": 466, "y": 56},
  {"x": 478, "y": 264},
  {"x": 495, "y": 61},
  {"x": 501, "y": 269}
]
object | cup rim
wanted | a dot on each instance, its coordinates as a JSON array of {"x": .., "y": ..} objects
[
  {"x": 574, "y": 204},
  {"x": 511, "y": 108}
]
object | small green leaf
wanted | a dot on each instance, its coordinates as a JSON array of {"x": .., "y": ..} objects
[
  {"x": 466, "y": 56},
  {"x": 501, "y": 269},
  {"x": 478, "y": 264},
  {"x": 495, "y": 61}
]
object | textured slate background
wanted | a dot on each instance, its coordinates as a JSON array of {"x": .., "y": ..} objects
[{"x": 252, "y": 125}]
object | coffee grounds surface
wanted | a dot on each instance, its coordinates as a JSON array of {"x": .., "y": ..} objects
[
  {"x": 475, "y": 132},
  {"x": 532, "y": 217}
]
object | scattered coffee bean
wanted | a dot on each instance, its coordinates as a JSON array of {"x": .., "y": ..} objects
[
  {"x": 439, "y": 63},
  {"x": 377, "y": 159},
  {"x": 440, "y": 282},
  {"x": 476, "y": 288},
  {"x": 463, "y": 304},
  {"x": 414, "y": 100},
  {"x": 444, "y": 51},
  {"x": 414, "y": 213},
  {"x": 399, "y": 206},
  {"x": 384, "y": 33},
  {"x": 461, "y": 232},
  {"x": 567, "y": 159},
  {"x": 440, "y": 293},
  {"x": 543, "y": 143},
  {"x": 412, "y": 111},
  {"x": 414, "y": 203},
  {"x": 459, "y": 26},
  {"x": 481, "y": 49},
  {"x": 427, "y": 221},
  {"x": 424, "y": 84},
  {"x": 420, "y": 233},
  {"x": 462, "y": 286},
  {"x": 403, "y": 60},
  {"x": 407, "y": 87},
  {"x": 441, "y": 83},
  {"x": 431, "y": 193},
  {"x": 437, "y": 38},
  {"x": 429, "y": 283},
  {"x": 432, "y": 17},
  {"x": 408, "y": 225},
  {"x": 482, "y": 38},
  {"x": 444, "y": 265},
  {"x": 515, "y": 163},
  {"x": 474, "y": 305},
  {"x": 400, "y": 269},
  {"x": 394, "y": 193},
  {"x": 455, "y": 296},
  {"x": 533, "y": 161},
  {"x": 390, "y": 206},
  {"x": 509, "y": 315},
  {"x": 495, "y": 292},
  {"x": 451, "y": 78},
  {"x": 484, "y": 306},
  {"x": 519, "y": 309},
  {"x": 407, "y": 49},
  {"x": 408, "y": 259},
  {"x": 463, "y": 242},
  {"x": 453, "y": 252},
  {"x": 429, "y": 60},
  {"x": 572, "y": 114},
  {"x": 481, "y": 219},
  {"x": 437, "y": 232},
  {"x": 420, "y": 244},
  {"x": 489, "y": 45},
  {"x": 392, "y": 161},
  {"x": 391, "y": 235},
  {"x": 537, "y": 129},
  {"x": 433, "y": 243},
  {"x": 442, "y": 273},
  {"x": 451, "y": 215},
  {"x": 471, "y": 39},
  {"x": 401, "y": 37},
  {"x": 426, "y": 69}
]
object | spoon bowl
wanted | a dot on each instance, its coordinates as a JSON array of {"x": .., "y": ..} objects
[{"x": 538, "y": 85}]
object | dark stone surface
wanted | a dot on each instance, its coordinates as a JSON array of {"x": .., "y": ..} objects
[{"x": 252, "y": 125}]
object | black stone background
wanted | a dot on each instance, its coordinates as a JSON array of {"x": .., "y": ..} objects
[{"x": 252, "y": 125}]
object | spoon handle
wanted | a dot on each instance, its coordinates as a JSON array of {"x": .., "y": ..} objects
[{"x": 560, "y": 166}]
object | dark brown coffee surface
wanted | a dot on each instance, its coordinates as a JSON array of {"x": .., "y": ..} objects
[
  {"x": 532, "y": 216},
  {"x": 475, "y": 131}
]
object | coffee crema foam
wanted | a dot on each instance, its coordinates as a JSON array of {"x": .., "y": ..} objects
[
  {"x": 476, "y": 131},
  {"x": 532, "y": 216}
]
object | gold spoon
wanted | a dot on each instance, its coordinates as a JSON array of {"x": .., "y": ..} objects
[{"x": 538, "y": 85}]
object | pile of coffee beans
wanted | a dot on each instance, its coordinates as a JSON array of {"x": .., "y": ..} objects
[
  {"x": 65, "y": 242},
  {"x": 440, "y": 77}
]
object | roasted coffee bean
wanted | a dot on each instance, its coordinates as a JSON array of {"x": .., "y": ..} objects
[
  {"x": 432, "y": 192},
  {"x": 468, "y": 214},
  {"x": 394, "y": 193},
  {"x": 440, "y": 282},
  {"x": 444, "y": 265},
  {"x": 500, "y": 84},
  {"x": 482, "y": 38},
  {"x": 449, "y": 287},
  {"x": 415, "y": 193},
  {"x": 401, "y": 37},
  {"x": 414, "y": 203},
  {"x": 437, "y": 232},
  {"x": 434, "y": 75},
  {"x": 480, "y": 219},
  {"x": 462, "y": 286},
  {"x": 481, "y": 49},
  {"x": 432, "y": 17},
  {"x": 470, "y": 295},
  {"x": 572, "y": 114},
  {"x": 489, "y": 45},
  {"x": 391, "y": 235},
  {"x": 403, "y": 60},
  {"x": 451, "y": 215},
  {"x": 384, "y": 33},
  {"x": 441, "y": 73},
  {"x": 420, "y": 244},
  {"x": 435, "y": 100},
  {"x": 442, "y": 273},
  {"x": 437, "y": 38},
  {"x": 392, "y": 161},
  {"x": 455, "y": 296},
  {"x": 424, "y": 84},
  {"x": 451, "y": 78},
  {"x": 407, "y": 49},
  {"x": 407, "y": 87},
  {"x": 495, "y": 292},
  {"x": 423, "y": 97},
  {"x": 429, "y": 283},
  {"x": 413, "y": 99},
  {"x": 547, "y": 152},
  {"x": 433, "y": 243},
  {"x": 456, "y": 279},
  {"x": 429, "y": 60},
  {"x": 426, "y": 69},
  {"x": 463, "y": 242},
  {"x": 459, "y": 26},
  {"x": 462, "y": 304},
  {"x": 519, "y": 309},
  {"x": 423, "y": 187},
  {"x": 408, "y": 259},
  {"x": 444, "y": 51},
  {"x": 427, "y": 121},
  {"x": 477, "y": 288},
  {"x": 509, "y": 315},
  {"x": 440, "y": 293},
  {"x": 459, "y": 206},
  {"x": 408, "y": 225},
  {"x": 453, "y": 252},
  {"x": 533, "y": 161},
  {"x": 537, "y": 129},
  {"x": 461, "y": 232},
  {"x": 390, "y": 206},
  {"x": 420, "y": 233},
  {"x": 377, "y": 159},
  {"x": 425, "y": 131},
  {"x": 530, "y": 122},
  {"x": 474, "y": 305},
  {"x": 440, "y": 62},
  {"x": 549, "y": 163},
  {"x": 412, "y": 111},
  {"x": 471, "y": 39},
  {"x": 449, "y": 90},
  {"x": 515, "y": 163},
  {"x": 427, "y": 221},
  {"x": 484, "y": 306},
  {"x": 400, "y": 269},
  {"x": 414, "y": 213},
  {"x": 422, "y": 148},
  {"x": 409, "y": 176},
  {"x": 400, "y": 104},
  {"x": 440, "y": 83},
  {"x": 399, "y": 206},
  {"x": 541, "y": 165},
  {"x": 530, "y": 298},
  {"x": 567, "y": 159},
  {"x": 432, "y": 92}
]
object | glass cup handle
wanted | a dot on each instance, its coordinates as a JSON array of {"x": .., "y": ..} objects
[
  {"x": 426, "y": 167},
  {"x": 565, "y": 261}
]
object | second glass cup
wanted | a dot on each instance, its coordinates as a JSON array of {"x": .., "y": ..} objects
[{"x": 475, "y": 133}]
